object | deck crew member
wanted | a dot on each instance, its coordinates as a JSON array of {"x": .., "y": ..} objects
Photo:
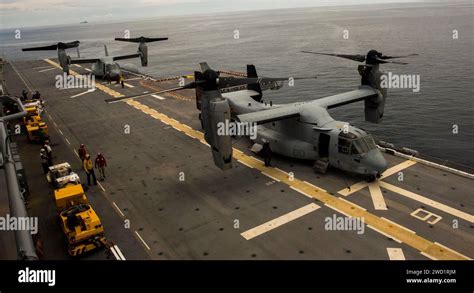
[
  {"x": 44, "y": 161},
  {"x": 49, "y": 152},
  {"x": 24, "y": 95},
  {"x": 82, "y": 152},
  {"x": 89, "y": 168},
  {"x": 122, "y": 81},
  {"x": 36, "y": 96},
  {"x": 267, "y": 153},
  {"x": 101, "y": 163}
]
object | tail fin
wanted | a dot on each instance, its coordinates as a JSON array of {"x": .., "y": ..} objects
[
  {"x": 252, "y": 73},
  {"x": 106, "y": 51}
]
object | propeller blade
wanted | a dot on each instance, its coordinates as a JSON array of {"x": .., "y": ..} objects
[
  {"x": 394, "y": 62},
  {"x": 140, "y": 40},
  {"x": 43, "y": 48},
  {"x": 392, "y": 57},
  {"x": 358, "y": 58},
  {"x": 68, "y": 45}
]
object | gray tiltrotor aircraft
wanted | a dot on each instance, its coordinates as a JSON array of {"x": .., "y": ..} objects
[
  {"x": 61, "y": 48},
  {"x": 105, "y": 67},
  {"x": 302, "y": 130}
]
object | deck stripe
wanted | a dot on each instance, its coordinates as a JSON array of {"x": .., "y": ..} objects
[
  {"x": 429, "y": 202},
  {"x": 275, "y": 223},
  {"x": 395, "y": 253},
  {"x": 377, "y": 197}
]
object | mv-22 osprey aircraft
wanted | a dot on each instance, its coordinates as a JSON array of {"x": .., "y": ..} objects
[
  {"x": 105, "y": 67},
  {"x": 302, "y": 130}
]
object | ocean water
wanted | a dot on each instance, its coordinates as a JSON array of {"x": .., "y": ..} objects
[{"x": 272, "y": 40}]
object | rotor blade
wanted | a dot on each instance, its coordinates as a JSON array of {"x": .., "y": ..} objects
[
  {"x": 392, "y": 57},
  {"x": 43, "y": 48},
  {"x": 140, "y": 40},
  {"x": 149, "y": 40},
  {"x": 394, "y": 62},
  {"x": 359, "y": 58},
  {"x": 69, "y": 45}
]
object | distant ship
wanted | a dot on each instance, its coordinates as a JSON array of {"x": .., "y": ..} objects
[{"x": 85, "y": 21}]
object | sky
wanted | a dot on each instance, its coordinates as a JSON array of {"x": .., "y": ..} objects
[{"x": 27, "y": 13}]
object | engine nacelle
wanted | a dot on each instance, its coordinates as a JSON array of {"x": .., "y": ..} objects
[
  {"x": 374, "y": 107},
  {"x": 143, "y": 50},
  {"x": 221, "y": 145}
]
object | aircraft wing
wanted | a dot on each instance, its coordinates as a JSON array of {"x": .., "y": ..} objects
[
  {"x": 275, "y": 114},
  {"x": 83, "y": 60},
  {"x": 123, "y": 57},
  {"x": 362, "y": 93}
]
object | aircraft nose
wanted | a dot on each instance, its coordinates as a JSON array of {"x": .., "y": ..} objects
[{"x": 376, "y": 162}]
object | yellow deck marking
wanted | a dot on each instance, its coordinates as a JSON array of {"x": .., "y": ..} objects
[
  {"x": 275, "y": 223},
  {"x": 384, "y": 227},
  {"x": 429, "y": 202},
  {"x": 395, "y": 253},
  {"x": 377, "y": 197},
  {"x": 411, "y": 231}
]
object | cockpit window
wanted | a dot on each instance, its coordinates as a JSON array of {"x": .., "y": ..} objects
[
  {"x": 344, "y": 145},
  {"x": 362, "y": 145}
]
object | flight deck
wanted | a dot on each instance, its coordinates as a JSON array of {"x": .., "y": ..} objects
[{"x": 164, "y": 199}]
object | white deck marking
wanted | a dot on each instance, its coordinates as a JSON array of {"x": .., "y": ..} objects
[
  {"x": 101, "y": 187},
  {"x": 377, "y": 197},
  {"x": 395, "y": 253},
  {"x": 397, "y": 168},
  {"x": 143, "y": 241},
  {"x": 128, "y": 85},
  {"x": 119, "y": 252},
  {"x": 48, "y": 69},
  {"x": 59, "y": 130},
  {"x": 243, "y": 163},
  {"x": 429, "y": 202},
  {"x": 134, "y": 78},
  {"x": 83, "y": 93},
  {"x": 67, "y": 140},
  {"x": 383, "y": 233},
  {"x": 275, "y": 223},
  {"x": 158, "y": 97},
  {"x": 353, "y": 188},
  {"x": 117, "y": 257},
  {"x": 390, "y": 171},
  {"x": 271, "y": 177},
  {"x": 88, "y": 69},
  {"x": 118, "y": 209}
]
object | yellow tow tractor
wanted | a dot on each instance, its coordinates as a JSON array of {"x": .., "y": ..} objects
[
  {"x": 35, "y": 126},
  {"x": 80, "y": 223}
]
